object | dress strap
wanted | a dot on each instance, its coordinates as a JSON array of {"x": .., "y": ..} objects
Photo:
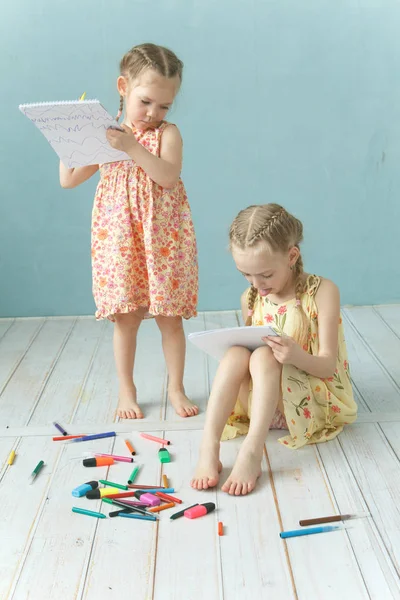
[{"x": 312, "y": 284}]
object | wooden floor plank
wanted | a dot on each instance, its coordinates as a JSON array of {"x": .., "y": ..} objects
[
  {"x": 63, "y": 391},
  {"x": 122, "y": 560},
  {"x": 14, "y": 343},
  {"x": 375, "y": 564},
  {"x": 383, "y": 342},
  {"x": 187, "y": 562},
  {"x": 376, "y": 469},
  {"x": 18, "y": 519},
  {"x": 372, "y": 383},
  {"x": 391, "y": 315},
  {"x": 302, "y": 493},
  {"x": 23, "y": 391},
  {"x": 254, "y": 559}
]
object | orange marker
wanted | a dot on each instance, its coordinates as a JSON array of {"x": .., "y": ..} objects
[
  {"x": 165, "y": 481},
  {"x": 130, "y": 447},
  {"x": 161, "y": 507},
  {"x": 220, "y": 528}
]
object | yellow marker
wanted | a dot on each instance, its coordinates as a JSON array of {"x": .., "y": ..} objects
[
  {"x": 165, "y": 481},
  {"x": 11, "y": 457},
  {"x": 82, "y": 97}
]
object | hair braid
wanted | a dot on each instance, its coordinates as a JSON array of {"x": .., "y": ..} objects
[
  {"x": 251, "y": 300},
  {"x": 300, "y": 333}
]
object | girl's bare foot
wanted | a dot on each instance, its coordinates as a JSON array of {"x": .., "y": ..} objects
[
  {"x": 128, "y": 408},
  {"x": 208, "y": 468},
  {"x": 246, "y": 471},
  {"x": 182, "y": 405}
]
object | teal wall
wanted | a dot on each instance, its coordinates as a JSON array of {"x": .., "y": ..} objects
[{"x": 284, "y": 101}]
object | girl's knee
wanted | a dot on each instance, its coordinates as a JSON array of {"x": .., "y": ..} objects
[
  {"x": 264, "y": 358},
  {"x": 237, "y": 355},
  {"x": 169, "y": 324},
  {"x": 130, "y": 320}
]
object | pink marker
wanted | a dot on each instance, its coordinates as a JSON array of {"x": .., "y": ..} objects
[
  {"x": 155, "y": 439},
  {"x": 116, "y": 458}
]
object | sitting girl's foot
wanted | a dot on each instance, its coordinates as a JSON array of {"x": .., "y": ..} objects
[
  {"x": 208, "y": 468},
  {"x": 128, "y": 408},
  {"x": 246, "y": 471},
  {"x": 182, "y": 405}
]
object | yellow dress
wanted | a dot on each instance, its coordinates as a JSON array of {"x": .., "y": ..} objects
[{"x": 315, "y": 409}]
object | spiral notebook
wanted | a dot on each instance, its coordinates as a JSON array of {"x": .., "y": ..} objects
[
  {"x": 76, "y": 130},
  {"x": 216, "y": 342}
]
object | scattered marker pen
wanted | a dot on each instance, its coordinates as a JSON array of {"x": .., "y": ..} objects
[
  {"x": 99, "y": 461},
  {"x": 115, "y": 457},
  {"x": 130, "y": 447},
  {"x": 155, "y": 439},
  {"x": 179, "y": 514},
  {"x": 115, "y": 485},
  {"x": 83, "y": 489},
  {"x": 96, "y": 436},
  {"x": 199, "y": 511},
  {"x": 164, "y": 455},
  {"x": 133, "y": 475},
  {"x": 309, "y": 531},
  {"x": 36, "y": 471},
  {"x": 90, "y": 513},
  {"x": 11, "y": 457},
  {"x": 149, "y": 499},
  {"x": 60, "y": 429}
]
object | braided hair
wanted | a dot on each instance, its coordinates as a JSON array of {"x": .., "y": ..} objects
[
  {"x": 278, "y": 230},
  {"x": 149, "y": 56}
]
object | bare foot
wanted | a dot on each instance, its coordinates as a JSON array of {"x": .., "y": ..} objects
[
  {"x": 246, "y": 471},
  {"x": 208, "y": 468},
  {"x": 128, "y": 408},
  {"x": 182, "y": 405}
]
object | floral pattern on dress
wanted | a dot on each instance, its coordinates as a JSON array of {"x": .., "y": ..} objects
[{"x": 144, "y": 252}]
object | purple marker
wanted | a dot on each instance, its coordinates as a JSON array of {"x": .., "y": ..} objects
[
  {"x": 60, "y": 429},
  {"x": 96, "y": 436}
]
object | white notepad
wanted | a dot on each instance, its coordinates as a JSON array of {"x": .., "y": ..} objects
[
  {"x": 216, "y": 342},
  {"x": 76, "y": 130}
]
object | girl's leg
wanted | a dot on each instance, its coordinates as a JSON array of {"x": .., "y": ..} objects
[
  {"x": 232, "y": 371},
  {"x": 174, "y": 346},
  {"x": 266, "y": 376},
  {"x": 125, "y": 333}
]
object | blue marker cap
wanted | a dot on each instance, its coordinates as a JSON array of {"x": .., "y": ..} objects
[{"x": 81, "y": 490}]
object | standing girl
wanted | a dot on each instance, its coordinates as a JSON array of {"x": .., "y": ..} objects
[
  {"x": 299, "y": 380},
  {"x": 144, "y": 256}
]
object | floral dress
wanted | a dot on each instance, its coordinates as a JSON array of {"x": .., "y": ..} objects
[
  {"x": 315, "y": 409},
  {"x": 144, "y": 250}
]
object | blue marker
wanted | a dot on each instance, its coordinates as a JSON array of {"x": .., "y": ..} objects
[
  {"x": 96, "y": 436},
  {"x": 309, "y": 531},
  {"x": 81, "y": 490},
  {"x": 139, "y": 517},
  {"x": 153, "y": 491}
]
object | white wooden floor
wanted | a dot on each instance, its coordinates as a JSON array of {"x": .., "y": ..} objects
[{"x": 62, "y": 369}]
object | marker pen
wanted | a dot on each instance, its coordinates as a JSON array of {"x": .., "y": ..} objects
[
  {"x": 150, "y": 499},
  {"x": 200, "y": 510},
  {"x": 83, "y": 489},
  {"x": 99, "y": 461}
]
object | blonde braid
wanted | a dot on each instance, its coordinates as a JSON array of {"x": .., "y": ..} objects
[
  {"x": 300, "y": 333},
  {"x": 121, "y": 108},
  {"x": 251, "y": 300}
]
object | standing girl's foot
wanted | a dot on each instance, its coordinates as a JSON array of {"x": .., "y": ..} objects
[
  {"x": 182, "y": 405},
  {"x": 128, "y": 408}
]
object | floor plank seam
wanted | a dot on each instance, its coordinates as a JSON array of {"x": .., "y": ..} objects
[
  {"x": 374, "y": 527},
  {"x": 24, "y": 353},
  {"x": 388, "y": 326},
  {"x": 372, "y": 354}
]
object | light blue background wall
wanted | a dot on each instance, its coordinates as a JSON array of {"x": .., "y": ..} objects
[{"x": 284, "y": 101}]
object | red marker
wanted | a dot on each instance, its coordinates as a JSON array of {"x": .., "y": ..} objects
[{"x": 167, "y": 497}]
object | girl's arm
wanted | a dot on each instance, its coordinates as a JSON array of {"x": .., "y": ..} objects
[
  {"x": 70, "y": 178},
  {"x": 164, "y": 170},
  {"x": 287, "y": 351},
  {"x": 327, "y": 300}
]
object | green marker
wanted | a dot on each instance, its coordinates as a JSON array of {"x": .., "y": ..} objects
[
  {"x": 116, "y": 485},
  {"x": 90, "y": 513},
  {"x": 164, "y": 455},
  {"x": 36, "y": 471},
  {"x": 133, "y": 475}
]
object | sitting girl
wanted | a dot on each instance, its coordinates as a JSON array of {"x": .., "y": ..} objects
[{"x": 300, "y": 379}]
